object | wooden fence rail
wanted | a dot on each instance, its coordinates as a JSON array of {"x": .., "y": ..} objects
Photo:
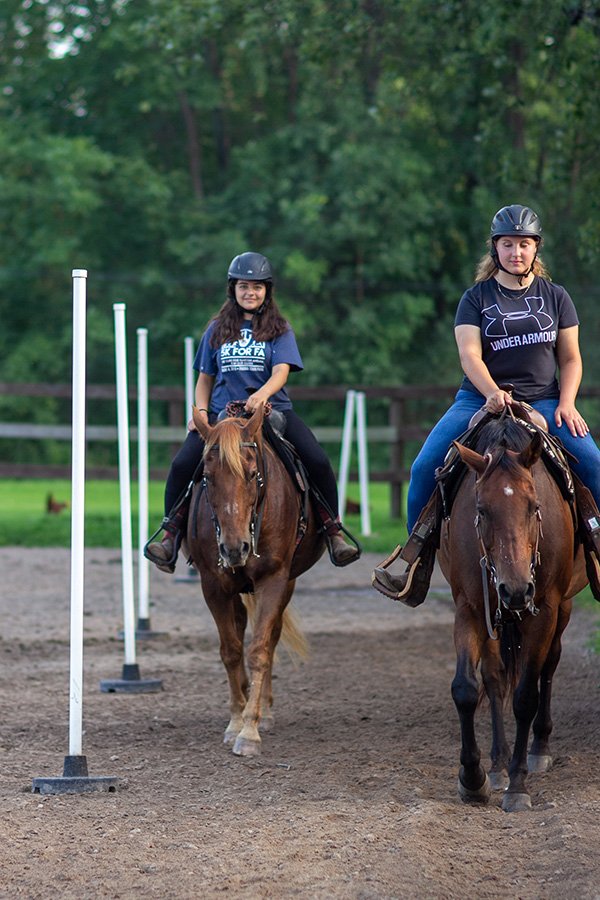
[{"x": 396, "y": 433}]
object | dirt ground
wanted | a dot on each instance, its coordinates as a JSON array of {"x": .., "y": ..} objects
[{"x": 354, "y": 796}]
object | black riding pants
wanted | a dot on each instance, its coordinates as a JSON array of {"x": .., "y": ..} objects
[{"x": 296, "y": 432}]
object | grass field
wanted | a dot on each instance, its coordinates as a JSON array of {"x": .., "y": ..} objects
[{"x": 24, "y": 520}]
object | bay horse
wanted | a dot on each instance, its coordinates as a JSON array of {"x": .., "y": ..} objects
[
  {"x": 509, "y": 550},
  {"x": 243, "y": 538}
]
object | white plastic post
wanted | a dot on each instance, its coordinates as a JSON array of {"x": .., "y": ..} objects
[
  {"x": 363, "y": 463},
  {"x": 143, "y": 563},
  {"x": 124, "y": 483},
  {"x": 189, "y": 353},
  {"x": 346, "y": 450},
  {"x": 77, "y": 512}
]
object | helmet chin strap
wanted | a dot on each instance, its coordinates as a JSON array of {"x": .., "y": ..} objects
[{"x": 498, "y": 264}]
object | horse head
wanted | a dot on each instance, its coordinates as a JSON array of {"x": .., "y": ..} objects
[
  {"x": 234, "y": 483},
  {"x": 507, "y": 518}
]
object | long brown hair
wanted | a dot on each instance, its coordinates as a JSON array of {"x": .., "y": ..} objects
[
  {"x": 267, "y": 324},
  {"x": 486, "y": 267}
]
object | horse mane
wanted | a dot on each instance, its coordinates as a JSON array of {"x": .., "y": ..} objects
[
  {"x": 496, "y": 438},
  {"x": 225, "y": 436}
]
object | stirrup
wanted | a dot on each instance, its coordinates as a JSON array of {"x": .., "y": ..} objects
[
  {"x": 177, "y": 539},
  {"x": 351, "y": 559}
]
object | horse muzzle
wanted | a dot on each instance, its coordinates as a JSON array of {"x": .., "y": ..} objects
[
  {"x": 234, "y": 554},
  {"x": 516, "y": 598}
]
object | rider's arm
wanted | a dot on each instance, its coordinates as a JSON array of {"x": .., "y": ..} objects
[
  {"x": 278, "y": 378},
  {"x": 570, "y": 369},
  {"x": 468, "y": 340},
  {"x": 202, "y": 395}
]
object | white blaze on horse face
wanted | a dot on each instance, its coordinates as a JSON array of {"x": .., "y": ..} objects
[
  {"x": 231, "y": 509},
  {"x": 508, "y": 491}
]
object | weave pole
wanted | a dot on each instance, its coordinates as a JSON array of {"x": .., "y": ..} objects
[
  {"x": 363, "y": 462},
  {"x": 191, "y": 574},
  {"x": 346, "y": 450},
  {"x": 75, "y": 779},
  {"x": 130, "y": 681},
  {"x": 143, "y": 630}
]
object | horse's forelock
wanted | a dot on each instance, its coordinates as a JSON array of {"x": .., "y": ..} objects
[
  {"x": 226, "y": 437},
  {"x": 496, "y": 438}
]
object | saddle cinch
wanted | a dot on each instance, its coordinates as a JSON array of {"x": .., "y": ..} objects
[{"x": 586, "y": 517}]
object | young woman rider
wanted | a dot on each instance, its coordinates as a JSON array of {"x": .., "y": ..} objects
[
  {"x": 513, "y": 326},
  {"x": 248, "y": 345}
]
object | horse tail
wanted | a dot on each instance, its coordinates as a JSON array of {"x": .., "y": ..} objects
[
  {"x": 292, "y": 637},
  {"x": 510, "y": 651}
]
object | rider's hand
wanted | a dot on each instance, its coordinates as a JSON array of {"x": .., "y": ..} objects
[{"x": 496, "y": 402}]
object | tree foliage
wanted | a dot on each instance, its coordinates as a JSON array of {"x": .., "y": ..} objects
[{"x": 364, "y": 146}]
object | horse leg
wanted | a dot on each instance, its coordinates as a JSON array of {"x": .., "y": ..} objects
[
  {"x": 473, "y": 783},
  {"x": 493, "y": 674},
  {"x": 271, "y": 599},
  {"x": 230, "y": 618},
  {"x": 539, "y": 758},
  {"x": 526, "y": 697}
]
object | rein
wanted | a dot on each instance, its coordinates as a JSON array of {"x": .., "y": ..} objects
[
  {"x": 259, "y": 502},
  {"x": 490, "y": 573}
]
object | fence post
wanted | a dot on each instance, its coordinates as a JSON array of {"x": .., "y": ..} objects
[{"x": 397, "y": 415}]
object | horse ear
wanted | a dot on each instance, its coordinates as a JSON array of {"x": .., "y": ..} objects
[
  {"x": 200, "y": 424},
  {"x": 532, "y": 452},
  {"x": 473, "y": 460},
  {"x": 255, "y": 422}
]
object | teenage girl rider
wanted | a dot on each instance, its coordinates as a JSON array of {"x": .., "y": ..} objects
[{"x": 247, "y": 345}]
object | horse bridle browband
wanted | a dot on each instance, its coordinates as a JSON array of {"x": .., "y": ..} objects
[
  {"x": 259, "y": 501},
  {"x": 488, "y": 568}
]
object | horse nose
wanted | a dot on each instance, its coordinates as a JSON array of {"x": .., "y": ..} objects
[
  {"x": 516, "y": 598},
  {"x": 234, "y": 555}
]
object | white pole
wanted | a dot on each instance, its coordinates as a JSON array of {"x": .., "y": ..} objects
[
  {"x": 124, "y": 482},
  {"x": 77, "y": 511},
  {"x": 189, "y": 354},
  {"x": 143, "y": 563},
  {"x": 363, "y": 463},
  {"x": 345, "y": 451}
]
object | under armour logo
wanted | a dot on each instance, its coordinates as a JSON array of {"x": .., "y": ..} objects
[{"x": 497, "y": 319}]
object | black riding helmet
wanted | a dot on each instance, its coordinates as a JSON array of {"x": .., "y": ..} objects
[
  {"x": 250, "y": 267},
  {"x": 515, "y": 221}
]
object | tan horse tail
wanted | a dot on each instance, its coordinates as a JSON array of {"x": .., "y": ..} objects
[{"x": 292, "y": 636}]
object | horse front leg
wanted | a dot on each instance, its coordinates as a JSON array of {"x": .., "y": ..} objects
[
  {"x": 535, "y": 651},
  {"x": 271, "y": 599},
  {"x": 539, "y": 758},
  {"x": 473, "y": 783},
  {"x": 230, "y": 618},
  {"x": 493, "y": 673}
]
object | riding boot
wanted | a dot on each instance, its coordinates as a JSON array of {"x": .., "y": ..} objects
[
  {"x": 411, "y": 586},
  {"x": 589, "y": 529},
  {"x": 341, "y": 553},
  {"x": 164, "y": 553}
]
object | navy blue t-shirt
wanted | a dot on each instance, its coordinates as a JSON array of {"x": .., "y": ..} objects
[
  {"x": 246, "y": 363},
  {"x": 518, "y": 333}
]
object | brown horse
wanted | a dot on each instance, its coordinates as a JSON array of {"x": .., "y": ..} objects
[
  {"x": 242, "y": 537},
  {"x": 510, "y": 546}
]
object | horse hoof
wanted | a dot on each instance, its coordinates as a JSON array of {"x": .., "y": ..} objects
[
  {"x": 516, "y": 802},
  {"x": 266, "y": 723},
  {"x": 499, "y": 781},
  {"x": 480, "y": 795},
  {"x": 539, "y": 763},
  {"x": 245, "y": 747}
]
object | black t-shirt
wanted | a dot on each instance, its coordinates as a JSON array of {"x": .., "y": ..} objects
[{"x": 518, "y": 333}]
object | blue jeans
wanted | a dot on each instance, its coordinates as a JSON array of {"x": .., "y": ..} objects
[{"x": 456, "y": 420}]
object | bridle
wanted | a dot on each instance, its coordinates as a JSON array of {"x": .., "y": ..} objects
[
  {"x": 257, "y": 507},
  {"x": 489, "y": 573}
]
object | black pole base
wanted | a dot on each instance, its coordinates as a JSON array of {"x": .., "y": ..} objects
[
  {"x": 143, "y": 632},
  {"x": 131, "y": 683},
  {"x": 75, "y": 780}
]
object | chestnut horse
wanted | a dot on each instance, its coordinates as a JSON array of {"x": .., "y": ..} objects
[
  {"x": 242, "y": 538},
  {"x": 510, "y": 545}
]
